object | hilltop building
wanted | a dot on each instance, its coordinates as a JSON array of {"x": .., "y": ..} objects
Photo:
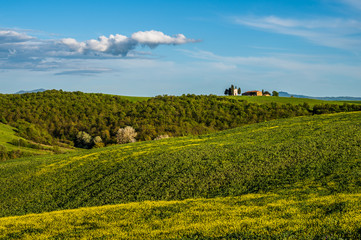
[
  {"x": 252, "y": 93},
  {"x": 235, "y": 92}
]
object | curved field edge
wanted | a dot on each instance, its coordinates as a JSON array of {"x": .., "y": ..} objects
[
  {"x": 322, "y": 154},
  {"x": 255, "y": 216}
]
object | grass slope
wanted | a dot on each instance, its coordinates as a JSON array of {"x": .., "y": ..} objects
[
  {"x": 286, "y": 100},
  {"x": 321, "y": 154},
  {"x": 251, "y": 216},
  {"x": 8, "y": 134}
]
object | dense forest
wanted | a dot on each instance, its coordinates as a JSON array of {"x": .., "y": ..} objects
[{"x": 56, "y": 117}]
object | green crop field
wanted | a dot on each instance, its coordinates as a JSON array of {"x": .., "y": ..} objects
[
  {"x": 290, "y": 100},
  {"x": 297, "y": 177}
]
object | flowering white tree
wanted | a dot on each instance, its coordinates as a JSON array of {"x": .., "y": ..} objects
[{"x": 126, "y": 135}]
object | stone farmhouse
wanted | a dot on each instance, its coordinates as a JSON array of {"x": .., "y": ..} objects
[{"x": 252, "y": 93}]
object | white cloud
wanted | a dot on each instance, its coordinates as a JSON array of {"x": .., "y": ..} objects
[
  {"x": 154, "y": 38},
  {"x": 114, "y": 44},
  {"x": 19, "y": 50},
  {"x": 9, "y": 36},
  {"x": 120, "y": 45},
  {"x": 333, "y": 32}
]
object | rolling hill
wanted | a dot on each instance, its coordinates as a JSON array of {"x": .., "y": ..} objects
[
  {"x": 340, "y": 98},
  {"x": 285, "y": 178},
  {"x": 320, "y": 153},
  {"x": 31, "y": 91},
  {"x": 290, "y": 177}
]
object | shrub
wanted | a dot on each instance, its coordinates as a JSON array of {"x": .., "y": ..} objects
[
  {"x": 83, "y": 140},
  {"x": 98, "y": 142},
  {"x": 126, "y": 135}
]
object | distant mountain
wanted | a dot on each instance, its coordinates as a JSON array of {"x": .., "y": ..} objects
[
  {"x": 342, "y": 98},
  {"x": 31, "y": 91}
]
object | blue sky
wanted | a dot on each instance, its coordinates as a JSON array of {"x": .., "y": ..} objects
[{"x": 148, "y": 48}]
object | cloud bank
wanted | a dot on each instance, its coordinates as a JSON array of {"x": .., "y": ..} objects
[
  {"x": 8, "y": 36},
  {"x": 19, "y": 50},
  {"x": 120, "y": 45}
]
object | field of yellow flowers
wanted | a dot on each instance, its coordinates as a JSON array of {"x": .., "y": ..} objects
[
  {"x": 251, "y": 216},
  {"x": 296, "y": 178}
]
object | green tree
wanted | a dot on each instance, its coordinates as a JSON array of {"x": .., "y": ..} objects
[
  {"x": 275, "y": 93},
  {"x": 83, "y": 140}
]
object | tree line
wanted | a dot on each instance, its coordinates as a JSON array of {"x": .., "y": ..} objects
[{"x": 94, "y": 120}]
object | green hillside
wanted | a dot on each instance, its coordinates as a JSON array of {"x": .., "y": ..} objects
[
  {"x": 318, "y": 154},
  {"x": 290, "y": 100},
  {"x": 293, "y": 178},
  {"x": 8, "y": 135},
  {"x": 13, "y": 146},
  {"x": 251, "y": 216}
]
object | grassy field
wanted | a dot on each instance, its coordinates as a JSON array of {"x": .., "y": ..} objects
[
  {"x": 251, "y": 216},
  {"x": 293, "y": 178},
  {"x": 8, "y": 135},
  {"x": 286, "y": 100},
  {"x": 321, "y": 153}
]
